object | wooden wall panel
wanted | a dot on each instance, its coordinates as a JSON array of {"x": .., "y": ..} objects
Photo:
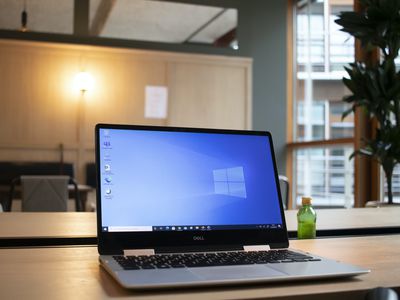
[
  {"x": 34, "y": 108},
  {"x": 121, "y": 91},
  {"x": 200, "y": 105},
  {"x": 40, "y": 109},
  {"x": 29, "y": 153}
]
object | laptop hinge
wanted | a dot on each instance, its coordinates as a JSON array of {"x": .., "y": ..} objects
[
  {"x": 256, "y": 248},
  {"x": 136, "y": 252}
]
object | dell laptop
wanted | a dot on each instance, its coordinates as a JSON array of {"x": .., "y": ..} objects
[{"x": 179, "y": 207}]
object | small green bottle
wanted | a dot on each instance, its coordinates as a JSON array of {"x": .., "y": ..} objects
[{"x": 306, "y": 220}]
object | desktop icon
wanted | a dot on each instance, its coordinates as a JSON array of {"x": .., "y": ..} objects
[
  {"x": 108, "y": 191},
  {"x": 107, "y": 168}
]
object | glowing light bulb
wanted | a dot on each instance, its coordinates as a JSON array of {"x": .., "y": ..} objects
[{"x": 83, "y": 82}]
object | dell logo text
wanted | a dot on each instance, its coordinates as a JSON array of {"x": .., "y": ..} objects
[{"x": 198, "y": 238}]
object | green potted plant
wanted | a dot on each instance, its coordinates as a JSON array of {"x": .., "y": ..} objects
[{"x": 375, "y": 87}]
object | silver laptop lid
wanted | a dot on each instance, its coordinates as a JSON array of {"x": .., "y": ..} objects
[{"x": 166, "y": 187}]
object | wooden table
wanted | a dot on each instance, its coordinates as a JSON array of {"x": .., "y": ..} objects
[
  {"x": 353, "y": 221},
  {"x": 77, "y": 228},
  {"x": 47, "y": 228},
  {"x": 74, "y": 273}
]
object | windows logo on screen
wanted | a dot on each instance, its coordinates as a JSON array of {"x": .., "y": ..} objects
[{"x": 230, "y": 182}]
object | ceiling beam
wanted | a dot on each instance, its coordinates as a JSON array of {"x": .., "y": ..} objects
[
  {"x": 216, "y": 16},
  {"x": 226, "y": 39},
  {"x": 100, "y": 18},
  {"x": 81, "y": 17}
]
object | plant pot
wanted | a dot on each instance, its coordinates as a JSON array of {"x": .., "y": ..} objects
[{"x": 380, "y": 204}]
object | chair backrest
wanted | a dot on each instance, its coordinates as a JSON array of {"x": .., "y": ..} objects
[
  {"x": 284, "y": 186},
  {"x": 381, "y": 293},
  {"x": 44, "y": 186},
  {"x": 44, "y": 193}
]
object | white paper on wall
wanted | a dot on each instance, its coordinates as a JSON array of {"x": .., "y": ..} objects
[{"x": 156, "y": 102}]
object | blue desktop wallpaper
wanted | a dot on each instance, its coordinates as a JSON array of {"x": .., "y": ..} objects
[{"x": 159, "y": 178}]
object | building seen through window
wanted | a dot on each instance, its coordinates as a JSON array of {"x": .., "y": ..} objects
[
  {"x": 322, "y": 50},
  {"x": 323, "y": 172}
]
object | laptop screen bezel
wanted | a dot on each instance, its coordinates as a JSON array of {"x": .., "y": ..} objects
[{"x": 115, "y": 242}]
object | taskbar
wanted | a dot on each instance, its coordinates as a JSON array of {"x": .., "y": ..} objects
[{"x": 188, "y": 227}]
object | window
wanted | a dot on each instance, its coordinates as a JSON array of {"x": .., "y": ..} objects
[
  {"x": 326, "y": 174},
  {"x": 230, "y": 182},
  {"x": 321, "y": 140}
]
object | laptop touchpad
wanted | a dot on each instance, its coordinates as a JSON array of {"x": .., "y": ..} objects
[{"x": 235, "y": 272}]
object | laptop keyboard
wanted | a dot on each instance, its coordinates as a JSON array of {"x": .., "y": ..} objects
[{"x": 191, "y": 260}]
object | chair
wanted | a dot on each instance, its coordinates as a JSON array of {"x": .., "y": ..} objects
[
  {"x": 284, "y": 187},
  {"x": 44, "y": 193},
  {"x": 381, "y": 293}
]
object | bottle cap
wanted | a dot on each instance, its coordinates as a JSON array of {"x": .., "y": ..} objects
[{"x": 306, "y": 200}]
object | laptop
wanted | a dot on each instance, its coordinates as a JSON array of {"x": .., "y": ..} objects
[{"x": 179, "y": 207}]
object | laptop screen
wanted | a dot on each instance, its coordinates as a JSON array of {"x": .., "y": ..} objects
[{"x": 181, "y": 181}]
